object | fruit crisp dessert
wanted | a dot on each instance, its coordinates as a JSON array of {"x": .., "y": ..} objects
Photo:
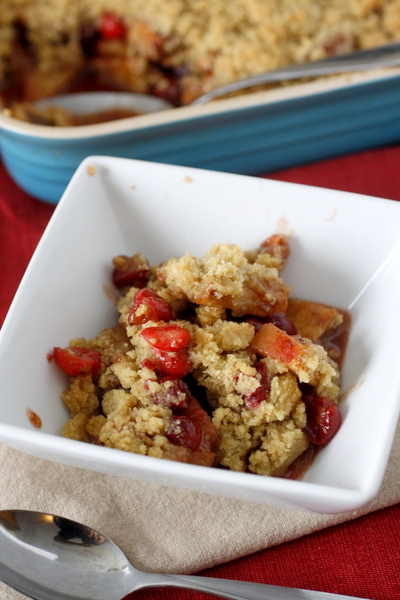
[
  {"x": 210, "y": 363},
  {"x": 178, "y": 49}
]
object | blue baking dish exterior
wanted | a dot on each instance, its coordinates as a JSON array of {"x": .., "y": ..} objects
[{"x": 253, "y": 139}]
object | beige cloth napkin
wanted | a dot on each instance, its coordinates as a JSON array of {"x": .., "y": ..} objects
[{"x": 164, "y": 529}]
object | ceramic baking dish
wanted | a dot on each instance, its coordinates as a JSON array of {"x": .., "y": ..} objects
[{"x": 250, "y": 134}]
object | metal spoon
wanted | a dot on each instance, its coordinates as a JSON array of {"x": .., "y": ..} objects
[
  {"x": 375, "y": 58},
  {"x": 52, "y": 558},
  {"x": 380, "y": 57}
]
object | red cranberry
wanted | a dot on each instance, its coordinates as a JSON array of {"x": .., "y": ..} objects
[
  {"x": 279, "y": 320},
  {"x": 130, "y": 271},
  {"x": 283, "y": 322},
  {"x": 185, "y": 432},
  {"x": 149, "y": 364},
  {"x": 254, "y": 400},
  {"x": 76, "y": 361},
  {"x": 256, "y": 322},
  {"x": 168, "y": 89},
  {"x": 152, "y": 308},
  {"x": 169, "y": 337},
  {"x": 323, "y": 418},
  {"x": 111, "y": 27},
  {"x": 174, "y": 364},
  {"x": 174, "y": 393}
]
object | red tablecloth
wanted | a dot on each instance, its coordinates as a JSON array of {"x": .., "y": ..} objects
[{"x": 359, "y": 558}]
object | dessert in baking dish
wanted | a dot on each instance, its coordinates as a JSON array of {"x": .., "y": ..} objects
[
  {"x": 211, "y": 363},
  {"x": 178, "y": 49}
]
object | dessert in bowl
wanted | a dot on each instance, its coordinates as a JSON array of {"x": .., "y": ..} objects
[
  {"x": 168, "y": 211},
  {"x": 210, "y": 363}
]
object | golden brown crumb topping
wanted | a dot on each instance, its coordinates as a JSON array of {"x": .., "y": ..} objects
[
  {"x": 202, "y": 369},
  {"x": 180, "y": 48},
  {"x": 225, "y": 278}
]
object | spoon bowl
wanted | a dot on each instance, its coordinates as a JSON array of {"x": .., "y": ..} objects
[
  {"x": 48, "y": 557},
  {"x": 92, "y": 102}
]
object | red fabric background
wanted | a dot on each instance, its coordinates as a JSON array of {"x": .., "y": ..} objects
[{"x": 359, "y": 558}]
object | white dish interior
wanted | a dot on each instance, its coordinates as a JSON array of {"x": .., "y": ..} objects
[{"x": 345, "y": 252}]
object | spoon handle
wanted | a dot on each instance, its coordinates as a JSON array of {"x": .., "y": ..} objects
[
  {"x": 242, "y": 590},
  {"x": 375, "y": 58}
]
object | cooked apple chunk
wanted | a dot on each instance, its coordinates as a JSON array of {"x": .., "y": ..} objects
[
  {"x": 311, "y": 319},
  {"x": 308, "y": 361}
]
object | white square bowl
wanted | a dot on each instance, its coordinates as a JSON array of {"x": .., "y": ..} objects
[{"x": 345, "y": 252}]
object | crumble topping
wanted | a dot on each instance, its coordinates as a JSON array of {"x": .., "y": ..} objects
[
  {"x": 178, "y": 49},
  {"x": 202, "y": 369}
]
